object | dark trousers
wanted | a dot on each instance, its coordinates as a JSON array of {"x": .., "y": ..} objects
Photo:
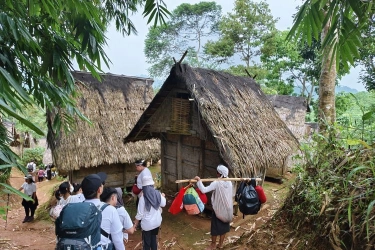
[
  {"x": 29, "y": 207},
  {"x": 40, "y": 178},
  {"x": 149, "y": 239},
  {"x": 48, "y": 174}
]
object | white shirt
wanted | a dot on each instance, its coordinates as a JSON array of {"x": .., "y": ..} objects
[
  {"x": 145, "y": 172},
  {"x": 151, "y": 219},
  {"x": 111, "y": 224},
  {"x": 63, "y": 202},
  {"x": 29, "y": 189},
  {"x": 125, "y": 219},
  {"x": 213, "y": 186},
  {"x": 77, "y": 198}
]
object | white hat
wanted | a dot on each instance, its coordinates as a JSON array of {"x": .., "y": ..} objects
[
  {"x": 223, "y": 170},
  {"x": 147, "y": 181}
]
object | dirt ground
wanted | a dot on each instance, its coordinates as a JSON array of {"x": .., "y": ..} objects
[{"x": 179, "y": 231}]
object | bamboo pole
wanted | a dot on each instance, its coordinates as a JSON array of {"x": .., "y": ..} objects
[{"x": 218, "y": 179}]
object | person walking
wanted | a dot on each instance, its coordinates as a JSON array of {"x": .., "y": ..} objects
[
  {"x": 48, "y": 169},
  {"x": 40, "y": 174},
  {"x": 92, "y": 188},
  {"x": 125, "y": 219},
  {"x": 218, "y": 227},
  {"x": 29, "y": 188},
  {"x": 149, "y": 211}
]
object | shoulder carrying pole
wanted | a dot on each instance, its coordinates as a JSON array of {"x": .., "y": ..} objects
[{"x": 218, "y": 179}]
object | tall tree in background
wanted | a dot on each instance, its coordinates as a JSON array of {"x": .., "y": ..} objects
[
  {"x": 243, "y": 32},
  {"x": 188, "y": 29},
  {"x": 338, "y": 23},
  {"x": 367, "y": 52},
  {"x": 39, "y": 41}
]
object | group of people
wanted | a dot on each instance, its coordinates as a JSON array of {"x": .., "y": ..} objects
[
  {"x": 41, "y": 173},
  {"x": 116, "y": 221}
]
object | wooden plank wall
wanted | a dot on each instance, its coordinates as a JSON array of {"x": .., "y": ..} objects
[
  {"x": 184, "y": 157},
  {"x": 118, "y": 175}
]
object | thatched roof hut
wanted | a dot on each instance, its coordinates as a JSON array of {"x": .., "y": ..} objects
[
  {"x": 292, "y": 110},
  {"x": 113, "y": 106},
  {"x": 204, "y": 117}
]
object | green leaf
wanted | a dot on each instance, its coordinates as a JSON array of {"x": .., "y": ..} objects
[{"x": 12, "y": 190}]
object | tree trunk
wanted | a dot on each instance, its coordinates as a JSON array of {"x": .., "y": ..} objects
[{"x": 327, "y": 112}]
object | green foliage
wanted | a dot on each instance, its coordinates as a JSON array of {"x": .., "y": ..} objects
[
  {"x": 243, "y": 32},
  {"x": 30, "y": 154},
  {"x": 345, "y": 19},
  {"x": 189, "y": 26},
  {"x": 39, "y": 42},
  {"x": 334, "y": 192}
]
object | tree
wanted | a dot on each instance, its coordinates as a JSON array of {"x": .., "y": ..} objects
[
  {"x": 338, "y": 23},
  {"x": 39, "y": 41},
  {"x": 188, "y": 29},
  {"x": 367, "y": 52},
  {"x": 243, "y": 32}
]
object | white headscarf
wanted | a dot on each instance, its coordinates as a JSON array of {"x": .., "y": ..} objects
[{"x": 223, "y": 170}]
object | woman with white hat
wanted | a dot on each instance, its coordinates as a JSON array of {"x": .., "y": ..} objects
[
  {"x": 149, "y": 211},
  {"x": 29, "y": 188}
]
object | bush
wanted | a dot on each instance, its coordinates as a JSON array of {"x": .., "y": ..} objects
[{"x": 33, "y": 154}]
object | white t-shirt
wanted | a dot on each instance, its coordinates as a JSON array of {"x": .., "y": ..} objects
[
  {"x": 125, "y": 219},
  {"x": 151, "y": 219},
  {"x": 145, "y": 172},
  {"x": 111, "y": 224},
  {"x": 77, "y": 198},
  {"x": 29, "y": 189}
]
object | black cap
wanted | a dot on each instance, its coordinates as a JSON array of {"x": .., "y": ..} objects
[
  {"x": 107, "y": 192},
  {"x": 141, "y": 162},
  {"x": 91, "y": 184},
  {"x": 103, "y": 176}
]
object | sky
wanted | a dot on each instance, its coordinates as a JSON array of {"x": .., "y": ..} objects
[{"x": 127, "y": 56}]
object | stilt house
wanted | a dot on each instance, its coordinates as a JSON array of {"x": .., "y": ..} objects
[{"x": 205, "y": 117}]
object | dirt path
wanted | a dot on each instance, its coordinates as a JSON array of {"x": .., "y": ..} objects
[{"x": 179, "y": 231}]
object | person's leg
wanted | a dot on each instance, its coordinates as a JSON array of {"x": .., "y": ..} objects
[
  {"x": 213, "y": 243},
  {"x": 27, "y": 212},
  {"x": 32, "y": 209},
  {"x": 146, "y": 240},
  {"x": 154, "y": 243},
  {"x": 221, "y": 241}
]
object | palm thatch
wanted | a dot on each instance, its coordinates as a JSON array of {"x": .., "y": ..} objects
[
  {"x": 292, "y": 110},
  {"x": 113, "y": 106},
  {"x": 248, "y": 133}
]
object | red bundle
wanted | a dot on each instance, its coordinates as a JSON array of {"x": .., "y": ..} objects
[
  {"x": 177, "y": 204},
  {"x": 261, "y": 195}
]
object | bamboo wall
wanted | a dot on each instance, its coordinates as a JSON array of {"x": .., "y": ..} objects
[{"x": 118, "y": 175}]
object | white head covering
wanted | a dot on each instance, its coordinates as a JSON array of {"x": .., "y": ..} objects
[{"x": 223, "y": 170}]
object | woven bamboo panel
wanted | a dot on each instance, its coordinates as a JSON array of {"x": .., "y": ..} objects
[{"x": 180, "y": 117}]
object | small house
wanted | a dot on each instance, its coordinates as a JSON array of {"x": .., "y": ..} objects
[
  {"x": 205, "y": 117},
  {"x": 113, "y": 106}
]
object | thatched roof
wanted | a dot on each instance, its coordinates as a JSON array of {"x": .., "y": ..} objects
[
  {"x": 113, "y": 106},
  {"x": 292, "y": 110},
  {"x": 245, "y": 127}
]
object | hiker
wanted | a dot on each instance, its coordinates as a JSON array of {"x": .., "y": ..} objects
[
  {"x": 29, "y": 188},
  {"x": 218, "y": 227},
  {"x": 92, "y": 188},
  {"x": 40, "y": 174},
  {"x": 48, "y": 169},
  {"x": 141, "y": 167},
  {"x": 125, "y": 219},
  {"x": 77, "y": 192},
  {"x": 31, "y": 169},
  {"x": 111, "y": 227},
  {"x": 149, "y": 211}
]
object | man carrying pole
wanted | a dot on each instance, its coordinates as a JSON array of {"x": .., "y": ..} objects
[{"x": 221, "y": 198}]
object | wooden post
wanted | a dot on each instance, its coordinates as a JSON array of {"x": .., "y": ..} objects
[
  {"x": 179, "y": 160},
  {"x": 202, "y": 158},
  {"x": 163, "y": 160}
]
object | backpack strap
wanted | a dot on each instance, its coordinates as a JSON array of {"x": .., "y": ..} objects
[
  {"x": 253, "y": 182},
  {"x": 102, "y": 231}
]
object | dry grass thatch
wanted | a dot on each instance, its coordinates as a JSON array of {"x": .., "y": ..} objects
[
  {"x": 246, "y": 129},
  {"x": 292, "y": 110},
  {"x": 113, "y": 106}
]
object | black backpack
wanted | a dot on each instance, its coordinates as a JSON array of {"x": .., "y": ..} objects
[
  {"x": 30, "y": 167},
  {"x": 78, "y": 227},
  {"x": 247, "y": 198}
]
